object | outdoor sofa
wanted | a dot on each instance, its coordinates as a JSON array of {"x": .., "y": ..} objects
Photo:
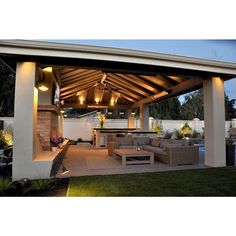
[{"x": 169, "y": 151}]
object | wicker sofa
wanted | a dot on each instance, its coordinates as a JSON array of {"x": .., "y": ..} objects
[{"x": 169, "y": 151}]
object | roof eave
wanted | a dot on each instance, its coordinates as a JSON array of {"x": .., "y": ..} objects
[{"x": 51, "y": 49}]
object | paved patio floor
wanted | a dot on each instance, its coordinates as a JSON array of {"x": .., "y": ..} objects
[{"x": 85, "y": 159}]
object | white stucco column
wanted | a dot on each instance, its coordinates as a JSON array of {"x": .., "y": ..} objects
[
  {"x": 131, "y": 119},
  {"x": 25, "y": 120},
  {"x": 144, "y": 117},
  {"x": 214, "y": 116}
]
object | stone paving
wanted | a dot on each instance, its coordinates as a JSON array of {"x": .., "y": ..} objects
[{"x": 84, "y": 160}]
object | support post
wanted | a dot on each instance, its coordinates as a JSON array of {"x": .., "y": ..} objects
[
  {"x": 144, "y": 117},
  {"x": 25, "y": 120},
  {"x": 214, "y": 116},
  {"x": 131, "y": 119}
]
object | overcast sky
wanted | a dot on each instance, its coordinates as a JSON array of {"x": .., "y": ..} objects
[{"x": 224, "y": 50}]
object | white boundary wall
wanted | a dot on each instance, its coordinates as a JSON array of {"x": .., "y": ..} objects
[
  {"x": 8, "y": 121},
  {"x": 83, "y": 127}
]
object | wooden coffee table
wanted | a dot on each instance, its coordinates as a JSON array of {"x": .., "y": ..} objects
[{"x": 131, "y": 153}]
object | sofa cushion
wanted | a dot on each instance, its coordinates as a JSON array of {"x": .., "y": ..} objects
[
  {"x": 174, "y": 145},
  {"x": 183, "y": 142},
  {"x": 165, "y": 142},
  {"x": 155, "y": 142},
  {"x": 156, "y": 150},
  {"x": 141, "y": 141},
  {"x": 124, "y": 141},
  {"x": 126, "y": 147}
]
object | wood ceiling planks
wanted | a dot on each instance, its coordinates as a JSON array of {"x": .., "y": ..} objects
[{"x": 132, "y": 88}]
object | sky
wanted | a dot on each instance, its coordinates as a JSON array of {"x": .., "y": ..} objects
[{"x": 222, "y": 50}]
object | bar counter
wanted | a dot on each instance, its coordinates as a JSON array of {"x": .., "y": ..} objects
[{"x": 102, "y": 136}]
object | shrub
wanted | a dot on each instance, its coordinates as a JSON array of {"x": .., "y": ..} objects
[
  {"x": 5, "y": 185},
  {"x": 186, "y": 129},
  {"x": 168, "y": 135},
  {"x": 6, "y": 137},
  {"x": 72, "y": 142},
  {"x": 157, "y": 127},
  {"x": 195, "y": 134},
  {"x": 42, "y": 185},
  {"x": 178, "y": 134}
]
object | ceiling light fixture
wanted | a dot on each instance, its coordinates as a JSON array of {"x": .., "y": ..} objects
[
  {"x": 97, "y": 100},
  {"x": 47, "y": 69},
  {"x": 42, "y": 86},
  {"x": 122, "y": 112}
]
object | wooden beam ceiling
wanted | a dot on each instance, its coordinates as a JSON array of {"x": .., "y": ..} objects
[
  {"x": 160, "y": 81},
  {"x": 150, "y": 99},
  {"x": 80, "y": 77},
  {"x": 140, "y": 82},
  {"x": 123, "y": 94},
  {"x": 81, "y": 72},
  {"x": 73, "y": 92},
  {"x": 125, "y": 89},
  {"x": 80, "y": 82},
  {"x": 136, "y": 88}
]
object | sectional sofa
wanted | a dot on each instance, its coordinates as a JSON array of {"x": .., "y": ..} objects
[{"x": 169, "y": 151}]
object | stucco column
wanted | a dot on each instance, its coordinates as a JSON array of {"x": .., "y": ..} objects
[
  {"x": 144, "y": 117},
  {"x": 25, "y": 120},
  {"x": 131, "y": 120},
  {"x": 214, "y": 115}
]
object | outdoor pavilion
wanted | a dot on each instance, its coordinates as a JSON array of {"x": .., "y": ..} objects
[{"x": 100, "y": 77}]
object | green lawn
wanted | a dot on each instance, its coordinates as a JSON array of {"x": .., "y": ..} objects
[{"x": 202, "y": 182}]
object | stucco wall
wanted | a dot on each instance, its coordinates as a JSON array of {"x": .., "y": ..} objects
[{"x": 8, "y": 121}]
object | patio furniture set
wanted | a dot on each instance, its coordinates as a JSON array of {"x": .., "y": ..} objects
[{"x": 168, "y": 151}]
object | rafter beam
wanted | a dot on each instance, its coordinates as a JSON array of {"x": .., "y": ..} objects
[
  {"x": 80, "y": 82},
  {"x": 79, "y": 77},
  {"x": 136, "y": 88},
  {"x": 92, "y": 105},
  {"x": 178, "y": 79},
  {"x": 140, "y": 82},
  {"x": 123, "y": 96},
  {"x": 80, "y": 88},
  {"x": 150, "y": 99},
  {"x": 74, "y": 73},
  {"x": 125, "y": 89},
  {"x": 184, "y": 86},
  {"x": 98, "y": 93},
  {"x": 158, "y": 80}
]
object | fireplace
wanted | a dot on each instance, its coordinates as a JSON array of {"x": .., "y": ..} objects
[{"x": 48, "y": 125}]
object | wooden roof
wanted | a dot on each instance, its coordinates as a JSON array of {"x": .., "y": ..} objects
[{"x": 127, "y": 89}]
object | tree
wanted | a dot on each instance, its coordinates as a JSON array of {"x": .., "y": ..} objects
[
  {"x": 168, "y": 109},
  {"x": 7, "y": 91},
  {"x": 193, "y": 106}
]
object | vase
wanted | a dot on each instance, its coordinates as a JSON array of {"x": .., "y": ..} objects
[{"x": 101, "y": 124}]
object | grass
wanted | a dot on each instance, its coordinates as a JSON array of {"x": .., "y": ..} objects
[{"x": 202, "y": 182}]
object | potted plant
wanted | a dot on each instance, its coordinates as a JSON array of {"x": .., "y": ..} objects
[
  {"x": 186, "y": 130},
  {"x": 101, "y": 118}
]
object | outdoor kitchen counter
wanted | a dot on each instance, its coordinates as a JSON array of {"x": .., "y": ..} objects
[{"x": 102, "y": 136}]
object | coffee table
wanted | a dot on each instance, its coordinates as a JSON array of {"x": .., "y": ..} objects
[{"x": 131, "y": 153}]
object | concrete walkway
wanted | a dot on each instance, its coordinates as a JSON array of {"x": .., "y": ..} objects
[{"x": 84, "y": 159}]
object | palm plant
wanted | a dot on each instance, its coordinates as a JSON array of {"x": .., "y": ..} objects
[
  {"x": 5, "y": 185},
  {"x": 42, "y": 185}
]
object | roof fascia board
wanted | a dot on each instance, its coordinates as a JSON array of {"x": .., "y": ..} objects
[{"x": 36, "y": 48}]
